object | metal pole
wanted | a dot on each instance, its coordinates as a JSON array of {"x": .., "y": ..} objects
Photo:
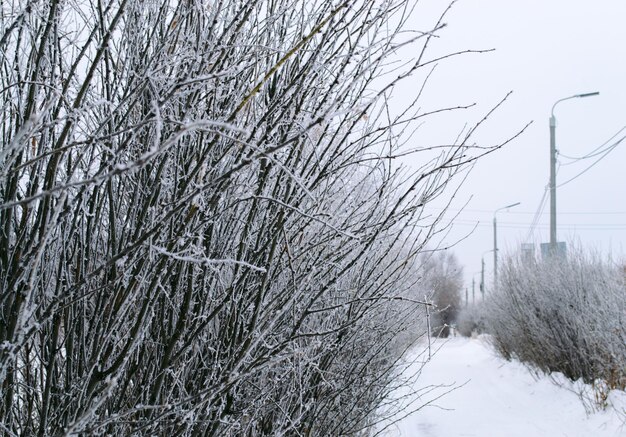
[
  {"x": 495, "y": 253},
  {"x": 473, "y": 290},
  {"x": 427, "y": 304},
  {"x": 552, "y": 185},
  {"x": 482, "y": 278},
  {"x": 495, "y": 241},
  {"x": 553, "y": 168}
]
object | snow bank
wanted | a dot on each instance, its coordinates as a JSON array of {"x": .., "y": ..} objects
[{"x": 500, "y": 399}]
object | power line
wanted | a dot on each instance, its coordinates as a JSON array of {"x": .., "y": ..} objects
[
  {"x": 486, "y": 223},
  {"x": 486, "y": 211},
  {"x": 569, "y": 226},
  {"x": 490, "y": 212},
  {"x": 604, "y": 155},
  {"x": 594, "y": 152},
  {"x": 538, "y": 213}
]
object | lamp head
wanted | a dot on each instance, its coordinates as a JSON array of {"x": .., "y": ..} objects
[
  {"x": 512, "y": 205},
  {"x": 595, "y": 93}
]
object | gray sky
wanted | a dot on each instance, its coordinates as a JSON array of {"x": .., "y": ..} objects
[{"x": 545, "y": 50}]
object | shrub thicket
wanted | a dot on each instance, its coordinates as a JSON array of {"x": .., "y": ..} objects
[
  {"x": 563, "y": 315},
  {"x": 203, "y": 230}
]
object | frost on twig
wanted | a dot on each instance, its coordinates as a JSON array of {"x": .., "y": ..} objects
[{"x": 203, "y": 226}]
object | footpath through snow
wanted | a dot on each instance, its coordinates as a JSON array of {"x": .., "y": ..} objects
[{"x": 497, "y": 399}]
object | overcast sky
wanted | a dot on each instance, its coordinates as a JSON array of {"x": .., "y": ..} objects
[{"x": 545, "y": 50}]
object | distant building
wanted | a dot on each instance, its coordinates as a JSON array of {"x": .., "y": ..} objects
[
  {"x": 561, "y": 250},
  {"x": 528, "y": 252}
]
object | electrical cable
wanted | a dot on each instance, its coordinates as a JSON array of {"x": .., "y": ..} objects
[
  {"x": 488, "y": 211},
  {"x": 538, "y": 213},
  {"x": 608, "y": 150},
  {"x": 594, "y": 152},
  {"x": 566, "y": 226}
]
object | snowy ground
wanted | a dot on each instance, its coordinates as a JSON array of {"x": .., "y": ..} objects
[{"x": 498, "y": 399}]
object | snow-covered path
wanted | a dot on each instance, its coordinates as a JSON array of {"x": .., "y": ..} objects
[{"x": 498, "y": 399}]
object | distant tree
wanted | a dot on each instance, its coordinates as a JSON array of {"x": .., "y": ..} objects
[
  {"x": 444, "y": 279},
  {"x": 471, "y": 320}
]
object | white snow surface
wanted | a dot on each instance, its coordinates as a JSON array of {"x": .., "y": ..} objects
[{"x": 497, "y": 398}]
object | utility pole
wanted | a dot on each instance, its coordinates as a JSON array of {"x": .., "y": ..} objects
[
  {"x": 495, "y": 242},
  {"x": 466, "y": 301},
  {"x": 495, "y": 251},
  {"x": 552, "y": 183},
  {"x": 482, "y": 278},
  {"x": 553, "y": 243},
  {"x": 473, "y": 290}
]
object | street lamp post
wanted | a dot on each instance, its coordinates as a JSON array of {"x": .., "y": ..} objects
[
  {"x": 495, "y": 242},
  {"x": 482, "y": 278},
  {"x": 482, "y": 273},
  {"x": 473, "y": 291},
  {"x": 553, "y": 168}
]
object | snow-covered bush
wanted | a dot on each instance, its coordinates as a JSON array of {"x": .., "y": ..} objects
[
  {"x": 563, "y": 315},
  {"x": 203, "y": 230},
  {"x": 471, "y": 320}
]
